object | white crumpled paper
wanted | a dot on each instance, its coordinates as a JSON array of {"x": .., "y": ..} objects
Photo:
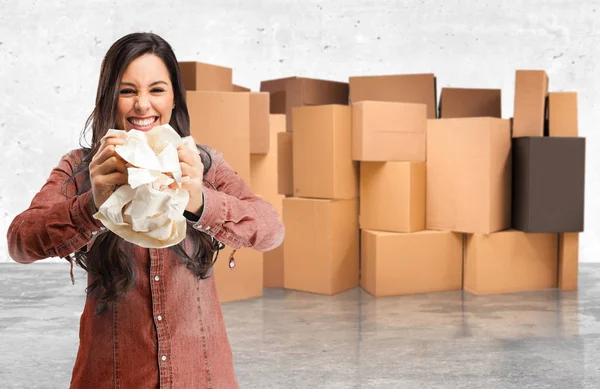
[{"x": 146, "y": 211}]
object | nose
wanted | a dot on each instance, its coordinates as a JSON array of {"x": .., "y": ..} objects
[{"x": 143, "y": 103}]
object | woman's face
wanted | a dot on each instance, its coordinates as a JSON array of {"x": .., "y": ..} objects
[{"x": 145, "y": 95}]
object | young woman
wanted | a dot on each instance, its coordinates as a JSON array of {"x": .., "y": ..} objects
[{"x": 152, "y": 318}]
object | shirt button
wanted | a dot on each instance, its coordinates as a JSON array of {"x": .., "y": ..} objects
[
  {"x": 94, "y": 233},
  {"x": 156, "y": 278},
  {"x": 207, "y": 228},
  {"x": 164, "y": 358},
  {"x": 159, "y": 318},
  {"x": 102, "y": 228}
]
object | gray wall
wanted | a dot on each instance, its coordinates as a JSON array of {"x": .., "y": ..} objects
[{"x": 50, "y": 54}]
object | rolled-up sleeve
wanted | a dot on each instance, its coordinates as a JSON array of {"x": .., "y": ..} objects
[
  {"x": 57, "y": 223},
  {"x": 235, "y": 216}
]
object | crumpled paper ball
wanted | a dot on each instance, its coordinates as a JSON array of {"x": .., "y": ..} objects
[{"x": 145, "y": 211}]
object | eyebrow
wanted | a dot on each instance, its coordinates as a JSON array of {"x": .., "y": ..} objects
[{"x": 154, "y": 83}]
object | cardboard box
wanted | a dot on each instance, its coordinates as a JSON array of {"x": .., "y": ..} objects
[
  {"x": 219, "y": 117},
  {"x": 383, "y": 131},
  {"x": 531, "y": 93},
  {"x": 243, "y": 282},
  {"x": 395, "y": 264},
  {"x": 405, "y": 88},
  {"x": 563, "y": 114},
  {"x": 392, "y": 196},
  {"x": 216, "y": 119},
  {"x": 239, "y": 88},
  {"x": 291, "y": 92},
  {"x": 322, "y": 153},
  {"x": 321, "y": 251},
  {"x": 285, "y": 164},
  {"x": 198, "y": 76},
  {"x": 465, "y": 102},
  {"x": 259, "y": 123},
  {"x": 263, "y": 169},
  {"x": 549, "y": 181},
  {"x": 468, "y": 175},
  {"x": 568, "y": 261},
  {"x": 510, "y": 261},
  {"x": 273, "y": 263}
]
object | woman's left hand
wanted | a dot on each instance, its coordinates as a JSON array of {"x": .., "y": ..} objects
[{"x": 192, "y": 170}]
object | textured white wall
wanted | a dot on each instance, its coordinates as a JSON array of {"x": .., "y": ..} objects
[{"x": 50, "y": 54}]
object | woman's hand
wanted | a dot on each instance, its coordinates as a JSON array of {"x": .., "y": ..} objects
[
  {"x": 107, "y": 170},
  {"x": 192, "y": 171}
]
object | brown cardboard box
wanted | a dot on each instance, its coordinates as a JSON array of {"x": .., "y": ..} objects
[
  {"x": 263, "y": 169},
  {"x": 285, "y": 164},
  {"x": 568, "y": 261},
  {"x": 243, "y": 282},
  {"x": 321, "y": 251},
  {"x": 322, "y": 153},
  {"x": 395, "y": 264},
  {"x": 548, "y": 184},
  {"x": 405, "y": 88},
  {"x": 291, "y": 92},
  {"x": 510, "y": 261},
  {"x": 464, "y": 102},
  {"x": 392, "y": 196},
  {"x": 468, "y": 175},
  {"x": 239, "y": 88},
  {"x": 562, "y": 114},
  {"x": 198, "y": 76},
  {"x": 259, "y": 123},
  {"x": 531, "y": 92},
  {"x": 384, "y": 131},
  {"x": 217, "y": 118},
  {"x": 278, "y": 102}
]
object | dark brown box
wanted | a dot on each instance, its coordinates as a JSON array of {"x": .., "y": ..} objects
[
  {"x": 464, "y": 103},
  {"x": 401, "y": 88},
  {"x": 287, "y": 93},
  {"x": 548, "y": 184}
]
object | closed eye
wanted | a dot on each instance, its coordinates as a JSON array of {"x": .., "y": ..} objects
[
  {"x": 157, "y": 90},
  {"x": 126, "y": 91}
]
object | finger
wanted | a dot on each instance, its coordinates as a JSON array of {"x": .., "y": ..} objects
[
  {"x": 113, "y": 141},
  {"x": 115, "y": 178},
  {"x": 192, "y": 185},
  {"x": 114, "y": 135},
  {"x": 110, "y": 165},
  {"x": 187, "y": 170},
  {"x": 188, "y": 156},
  {"x": 108, "y": 152},
  {"x": 102, "y": 154}
]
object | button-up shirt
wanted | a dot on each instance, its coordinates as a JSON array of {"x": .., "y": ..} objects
[{"x": 168, "y": 331}]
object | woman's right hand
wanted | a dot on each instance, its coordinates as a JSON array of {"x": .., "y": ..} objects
[{"x": 107, "y": 170}]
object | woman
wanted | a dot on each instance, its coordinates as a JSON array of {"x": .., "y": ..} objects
[{"x": 152, "y": 318}]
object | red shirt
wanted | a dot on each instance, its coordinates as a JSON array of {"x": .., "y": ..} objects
[{"x": 167, "y": 332}]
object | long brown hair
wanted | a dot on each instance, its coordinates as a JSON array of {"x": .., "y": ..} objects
[{"x": 110, "y": 269}]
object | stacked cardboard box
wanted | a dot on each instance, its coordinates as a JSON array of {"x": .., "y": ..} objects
[
  {"x": 264, "y": 173},
  {"x": 548, "y": 168},
  {"x": 321, "y": 250},
  {"x": 487, "y": 180},
  {"x": 510, "y": 192},
  {"x": 235, "y": 122},
  {"x": 389, "y": 129},
  {"x": 320, "y": 180},
  {"x": 450, "y": 199}
]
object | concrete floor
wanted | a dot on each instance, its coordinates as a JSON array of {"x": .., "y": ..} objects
[{"x": 298, "y": 340}]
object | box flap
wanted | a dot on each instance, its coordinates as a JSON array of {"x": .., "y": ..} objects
[{"x": 319, "y": 92}]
